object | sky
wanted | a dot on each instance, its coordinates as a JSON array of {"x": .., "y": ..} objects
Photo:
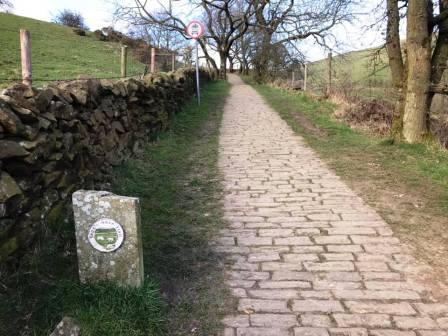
[{"x": 99, "y": 14}]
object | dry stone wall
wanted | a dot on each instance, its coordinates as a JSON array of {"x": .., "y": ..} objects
[{"x": 68, "y": 136}]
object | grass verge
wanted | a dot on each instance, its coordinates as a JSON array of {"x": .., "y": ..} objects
[
  {"x": 407, "y": 184},
  {"x": 177, "y": 181}
]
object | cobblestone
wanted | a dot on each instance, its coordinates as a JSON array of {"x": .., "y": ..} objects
[
  {"x": 321, "y": 306},
  {"x": 405, "y": 322},
  {"x": 304, "y": 255},
  {"x": 273, "y": 320}
]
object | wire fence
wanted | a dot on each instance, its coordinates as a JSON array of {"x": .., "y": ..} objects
[
  {"x": 60, "y": 54},
  {"x": 362, "y": 75},
  {"x": 356, "y": 75},
  {"x": 351, "y": 79}
]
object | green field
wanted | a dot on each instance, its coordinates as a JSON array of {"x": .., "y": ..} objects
[
  {"x": 105, "y": 237},
  {"x": 366, "y": 73},
  {"x": 359, "y": 65},
  {"x": 57, "y": 53}
]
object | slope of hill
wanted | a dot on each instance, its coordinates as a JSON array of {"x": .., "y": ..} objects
[
  {"x": 362, "y": 69},
  {"x": 57, "y": 52},
  {"x": 355, "y": 74}
]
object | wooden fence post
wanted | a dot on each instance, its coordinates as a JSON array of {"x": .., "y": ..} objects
[
  {"x": 305, "y": 77},
  {"x": 124, "y": 59},
  {"x": 153, "y": 60},
  {"x": 25, "y": 53},
  {"x": 330, "y": 70},
  {"x": 173, "y": 62}
]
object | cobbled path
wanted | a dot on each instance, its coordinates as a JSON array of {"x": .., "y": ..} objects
[{"x": 304, "y": 255}]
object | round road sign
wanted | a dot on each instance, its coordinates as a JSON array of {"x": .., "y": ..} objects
[{"x": 195, "y": 29}]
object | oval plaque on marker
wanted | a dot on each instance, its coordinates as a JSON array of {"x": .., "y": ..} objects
[{"x": 106, "y": 235}]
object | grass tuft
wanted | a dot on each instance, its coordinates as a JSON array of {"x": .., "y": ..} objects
[{"x": 105, "y": 309}]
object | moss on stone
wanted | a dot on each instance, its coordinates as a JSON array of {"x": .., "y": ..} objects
[
  {"x": 55, "y": 217},
  {"x": 8, "y": 247},
  {"x": 8, "y": 187}
]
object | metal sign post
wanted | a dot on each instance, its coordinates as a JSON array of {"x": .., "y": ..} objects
[
  {"x": 195, "y": 29},
  {"x": 198, "y": 87}
]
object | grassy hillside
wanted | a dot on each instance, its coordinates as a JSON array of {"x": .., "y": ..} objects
[
  {"x": 356, "y": 68},
  {"x": 57, "y": 52},
  {"x": 358, "y": 64}
]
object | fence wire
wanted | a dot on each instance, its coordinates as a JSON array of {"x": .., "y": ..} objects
[
  {"x": 352, "y": 75},
  {"x": 64, "y": 56}
]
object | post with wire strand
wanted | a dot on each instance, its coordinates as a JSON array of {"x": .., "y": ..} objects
[
  {"x": 198, "y": 87},
  {"x": 25, "y": 53},
  {"x": 153, "y": 60},
  {"x": 124, "y": 60},
  {"x": 330, "y": 72},
  {"x": 305, "y": 76}
]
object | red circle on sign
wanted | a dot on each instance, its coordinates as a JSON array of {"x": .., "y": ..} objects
[{"x": 195, "y": 29}]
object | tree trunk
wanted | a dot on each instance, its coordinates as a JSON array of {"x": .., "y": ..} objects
[
  {"x": 245, "y": 67},
  {"x": 393, "y": 44},
  {"x": 393, "y": 47},
  {"x": 207, "y": 56},
  {"x": 440, "y": 54},
  {"x": 418, "y": 44},
  {"x": 329, "y": 74},
  {"x": 230, "y": 64},
  {"x": 223, "y": 68},
  {"x": 262, "y": 60}
]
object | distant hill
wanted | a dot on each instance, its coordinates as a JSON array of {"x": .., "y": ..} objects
[{"x": 57, "y": 52}]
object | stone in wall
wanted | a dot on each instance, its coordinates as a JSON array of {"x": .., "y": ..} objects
[{"x": 67, "y": 327}]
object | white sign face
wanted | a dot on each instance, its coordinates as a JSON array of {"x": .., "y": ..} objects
[
  {"x": 195, "y": 29},
  {"x": 106, "y": 235}
]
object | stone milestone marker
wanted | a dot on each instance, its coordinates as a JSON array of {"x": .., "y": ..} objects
[{"x": 108, "y": 237}]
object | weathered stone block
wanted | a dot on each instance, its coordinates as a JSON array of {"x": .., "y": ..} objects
[
  {"x": 8, "y": 187},
  {"x": 67, "y": 327},
  {"x": 108, "y": 238}
]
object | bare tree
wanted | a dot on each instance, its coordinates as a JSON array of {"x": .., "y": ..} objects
[
  {"x": 187, "y": 54},
  {"x": 157, "y": 36},
  {"x": 281, "y": 22},
  {"x": 139, "y": 13},
  {"x": 274, "y": 27},
  {"x": 70, "y": 18},
  {"x": 227, "y": 21},
  {"x": 239, "y": 52},
  {"x": 418, "y": 75},
  {"x": 244, "y": 49},
  {"x": 6, "y": 5}
]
